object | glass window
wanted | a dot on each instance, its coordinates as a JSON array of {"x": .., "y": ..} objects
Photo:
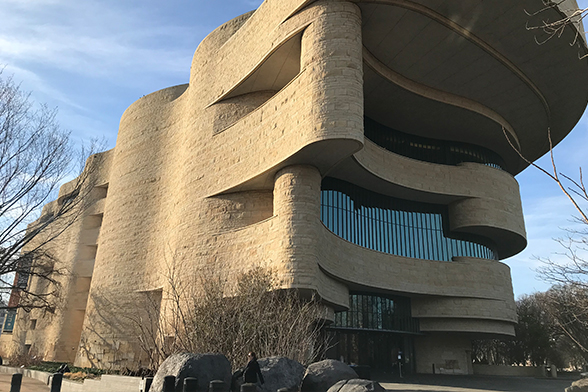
[
  {"x": 368, "y": 311},
  {"x": 427, "y": 149},
  {"x": 394, "y": 226}
]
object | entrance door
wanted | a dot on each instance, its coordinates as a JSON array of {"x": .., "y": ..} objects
[{"x": 378, "y": 350}]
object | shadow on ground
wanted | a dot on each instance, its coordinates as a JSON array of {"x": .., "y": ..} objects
[{"x": 446, "y": 383}]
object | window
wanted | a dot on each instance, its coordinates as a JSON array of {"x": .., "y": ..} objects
[
  {"x": 375, "y": 312},
  {"x": 395, "y": 226},
  {"x": 427, "y": 149}
]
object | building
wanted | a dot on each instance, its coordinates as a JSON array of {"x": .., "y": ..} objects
[{"x": 366, "y": 150}]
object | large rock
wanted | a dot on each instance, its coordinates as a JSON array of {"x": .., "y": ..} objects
[
  {"x": 356, "y": 385},
  {"x": 320, "y": 376},
  {"x": 280, "y": 372},
  {"x": 205, "y": 367},
  {"x": 578, "y": 386}
]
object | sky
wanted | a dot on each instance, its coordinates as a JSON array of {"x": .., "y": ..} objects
[{"x": 92, "y": 59}]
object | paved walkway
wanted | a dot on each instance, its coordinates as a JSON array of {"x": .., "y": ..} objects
[
  {"x": 441, "y": 383},
  {"x": 419, "y": 383},
  {"x": 28, "y": 384}
]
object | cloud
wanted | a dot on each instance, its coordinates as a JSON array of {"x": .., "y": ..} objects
[
  {"x": 35, "y": 83},
  {"x": 92, "y": 38},
  {"x": 92, "y": 59}
]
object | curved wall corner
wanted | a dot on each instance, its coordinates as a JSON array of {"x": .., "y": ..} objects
[
  {"x": 297, "y": 210},
  {"x": 493, "y": 315},
  {"x": 498, "y": 220},
  {"x": 467, "y": 289},
  {"x": 482, "y": 200}
]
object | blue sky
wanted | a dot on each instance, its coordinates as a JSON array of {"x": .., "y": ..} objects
[{"x": 92, "y": 59}]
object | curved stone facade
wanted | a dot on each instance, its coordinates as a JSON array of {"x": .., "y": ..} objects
[{"x": 225, "y": 173}]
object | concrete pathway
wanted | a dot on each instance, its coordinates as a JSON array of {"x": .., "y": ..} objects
[
  {"x": 441, "y": 383},
  {"x": 419, "y": 383},
  {"x": 28, "y": 384}
]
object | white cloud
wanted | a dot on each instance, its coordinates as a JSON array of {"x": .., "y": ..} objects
[
  {"x": 92, "y": 59},
  {"x": 92, "y": 38}
]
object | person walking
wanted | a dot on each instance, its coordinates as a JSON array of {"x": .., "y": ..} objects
[{"x": 252, "y": 370}]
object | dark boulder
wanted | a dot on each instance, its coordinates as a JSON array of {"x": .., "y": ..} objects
[
  {"x": 356, "y": 385},
  {"x": 320, "y": 376},
  {"x": 280, "y": 372},
  {"x": 204, "y": 367},
  {"x": 578, "y": 386}
]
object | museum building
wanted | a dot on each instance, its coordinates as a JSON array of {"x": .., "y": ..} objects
[{"x": 364, "y": 150}]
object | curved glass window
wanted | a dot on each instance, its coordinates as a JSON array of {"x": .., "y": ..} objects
[
  {"x": 427, "y": 149},
  {"x": 396, "y": 226},
  {"x": 378, "y": 313}
]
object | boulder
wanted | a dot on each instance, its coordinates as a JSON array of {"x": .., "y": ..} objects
[
  {"x": 356, "y": 385},
  {"x": 205, "y": 367},
  {"x": 236, "y": 380},
  {"x": 320, "y": 376},
  {"x": 280, "y": 372},
  {"x": 578, "y": 386}
]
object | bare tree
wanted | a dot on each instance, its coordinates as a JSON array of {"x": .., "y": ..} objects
[
  {"x": 567, "y": 306},
  {"x": 569, "y": 17},
  {"x": 568, "y": 312},
  {"x": 551, "y": 329},
  {"x": 533, "y": 343},
  {"x": 36, "y": 156},
  {"x": 567, "y": 300},
  {"x": 213, "y": 314}
]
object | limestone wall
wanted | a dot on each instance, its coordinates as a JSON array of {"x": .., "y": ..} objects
[
  {"x": 443, "y": 353},
  {"x": 55, "y": 336},
  {"x": 187, "y": 190}
]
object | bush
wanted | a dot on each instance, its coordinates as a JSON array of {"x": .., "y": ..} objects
[
  {"x": 51, "y": 367},
  {"x": 249, "y": 313},
  {"x": 26, "y": 360}
]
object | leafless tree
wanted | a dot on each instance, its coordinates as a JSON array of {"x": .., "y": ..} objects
[
  {"x": 569, "y": 17},
  {"x": 573, "y": 272},
  {"x": 567, "y": 301},
  {"x": 36, "y": 156},
  {"x": 567, "y": 306},
  {"x": 213, "y": 314}
]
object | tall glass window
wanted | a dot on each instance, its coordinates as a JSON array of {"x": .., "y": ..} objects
[
  {"x": 378, "y": 313},
  {"x": 396, "y": 226},
  {"x": 427, "y": 149}
]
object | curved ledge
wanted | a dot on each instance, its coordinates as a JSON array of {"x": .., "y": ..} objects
[
  {"x": 442, "y": 180},
  {"x": 437, "y": 95},
  {"x": 291, "y": 43},
  {"x": 474, "y": 326},
  {"x": 490, "y": 218},
  {"x": 482, "y": 200},
  {"x": 323, "y": 154},
  {"x": 144, "y": 105},
  {"x": 364, "y": 268},
  {"x": 464, "y": 308}
]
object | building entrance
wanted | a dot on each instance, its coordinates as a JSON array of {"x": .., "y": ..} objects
[
  {"x": 381, "y": 351},
  {"x": 376, "y": 331}
]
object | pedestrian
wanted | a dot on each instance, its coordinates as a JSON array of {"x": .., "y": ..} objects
[{"x": 252, "y": 370}]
